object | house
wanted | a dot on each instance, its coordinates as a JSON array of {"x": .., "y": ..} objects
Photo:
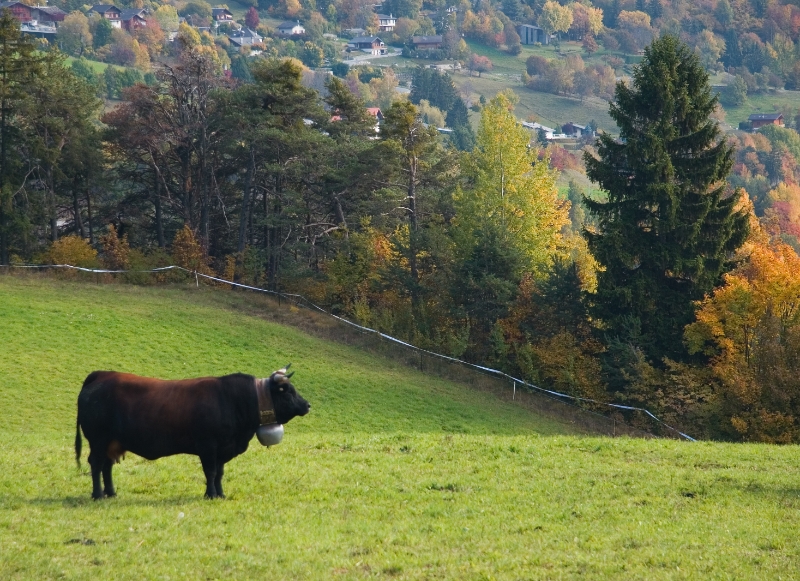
[
  {"x": 244, "y": 37},
  {"x": 20, "y": 11},
  {"x": 109, "y": 12},
  {"x": 290, "y": 28},
  {"x": 426, "y": 42},
  {"x": 39, "y": 30},
  {"x": 549, "y": 132},
  {"x": 529, "y": 34},
  {"x": 48, "y": 15},
  {"x": 761, "y": 119},
  {"x": 376, "y": 112},
  {"x": 221, "y": 15},
  {"x": 574, "y": 130},
  {"x": 370, "y": 44},
  {"x": 132, "y": 19},
  {"x": 386, "y": 23}
]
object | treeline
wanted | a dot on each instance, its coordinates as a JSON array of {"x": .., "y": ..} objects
[{"x": 669, "y": 293}]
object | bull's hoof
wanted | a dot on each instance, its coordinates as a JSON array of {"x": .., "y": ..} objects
[
  {"x": 110, "y": 494},
  {"x": 100, "y": 496}
]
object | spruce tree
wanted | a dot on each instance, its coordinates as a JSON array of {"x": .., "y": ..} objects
[{"x": 667, "y": 230}]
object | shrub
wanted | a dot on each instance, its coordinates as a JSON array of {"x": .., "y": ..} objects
[
  {"x": 187, "y": 252},
  {"x": 72, "y": 250},
  {"x": 116, "y": 250}
]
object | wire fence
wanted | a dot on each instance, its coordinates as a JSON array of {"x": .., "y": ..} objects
[{"x": 581, "y": 413}]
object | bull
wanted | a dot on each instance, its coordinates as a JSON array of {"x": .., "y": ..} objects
[{"x": 211, "y": 417}]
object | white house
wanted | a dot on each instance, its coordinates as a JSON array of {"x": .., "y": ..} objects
[
  {"x": 290, "y": 28},
  {"x": 386, "y": 23}
]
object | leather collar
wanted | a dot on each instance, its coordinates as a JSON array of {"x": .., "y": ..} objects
[{"x": 266, "y": 409}]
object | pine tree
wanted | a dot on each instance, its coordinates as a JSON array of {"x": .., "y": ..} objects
[
  {"x": 19, "y": 66},
  {"x": 666, "y": 231}
]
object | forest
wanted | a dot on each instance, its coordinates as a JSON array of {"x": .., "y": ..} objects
[{"x": 673, "y": 287}]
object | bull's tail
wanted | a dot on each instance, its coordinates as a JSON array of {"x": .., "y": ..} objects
[{"x": 78, "y": 442}]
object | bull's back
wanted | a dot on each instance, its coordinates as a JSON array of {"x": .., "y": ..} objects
[{"x": 150, "y": 417}]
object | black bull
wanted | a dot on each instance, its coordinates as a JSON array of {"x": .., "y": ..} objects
[{"x": 212, "y": 417}]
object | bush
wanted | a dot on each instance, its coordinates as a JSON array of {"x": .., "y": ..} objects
[
  {"x": 72, "y": 250},
  {"x": 116, "y": 250}
]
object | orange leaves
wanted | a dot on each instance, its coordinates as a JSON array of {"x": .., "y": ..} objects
[{"x": 750, "y": 327}]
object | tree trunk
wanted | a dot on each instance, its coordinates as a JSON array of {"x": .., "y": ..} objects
[
  {"x": 76, "y": 210},
  {"x": 246, "y": 199},
  {"x": 89, "y": 214},
  {"x": 159, "y": 212}
]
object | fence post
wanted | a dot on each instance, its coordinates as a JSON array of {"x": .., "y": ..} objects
[{"x": 514, "y": 393}]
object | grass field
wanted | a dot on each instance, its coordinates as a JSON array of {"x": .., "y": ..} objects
[
  {"x": 393, "y": 475},
  {"x": 97, "y": 66}
]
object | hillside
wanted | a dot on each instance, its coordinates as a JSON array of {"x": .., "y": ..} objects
[{"x": 394, "y": 474}]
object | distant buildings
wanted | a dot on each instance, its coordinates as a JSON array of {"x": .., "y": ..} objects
[
  {"x": 369, "y": 44},
  {"x": 109, "y": 12},
  {"x": 245, "y": 37},
  {"x": 290, "y": 28},
  {"x": 529, "y": 34},
  {"x": 760, "y": 119},
  {"x": 427, "y": 42},
  {"x": 386, "y": 23}
]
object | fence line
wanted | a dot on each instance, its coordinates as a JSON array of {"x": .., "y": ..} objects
[{"x": 558, "y": 396}]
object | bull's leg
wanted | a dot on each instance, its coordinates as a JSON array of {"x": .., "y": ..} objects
[
  {"x": 96, "y": 464},
  {"x": 209, "y": 462},
  {"x": 218, "y": 480},
  {"x": 108, "y": 484}
]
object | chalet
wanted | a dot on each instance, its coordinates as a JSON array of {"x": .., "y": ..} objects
[
  {"x": 386, "y": 23},
  {"x": 371, "y": 44},
  {"x": 20, "y": 11},
  {"x": 221, "y": 15},
  {"x": 761, "y": 119},
  {"x": 427, "y": 42},
  {"x": 244, "y": 37},
  {"x": 109, "y": 12},
  {"x": 376, "y": 112},
  {"x": 132, "y": 19},
  {"x": 574, "y": 130},
  {"x": 290, "y": 28},
  {"x": 529, "y": 34},
  {"x": 48, "y": 15}
]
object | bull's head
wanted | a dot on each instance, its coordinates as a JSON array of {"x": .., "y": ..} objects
[{"x": 287, "y": 402}]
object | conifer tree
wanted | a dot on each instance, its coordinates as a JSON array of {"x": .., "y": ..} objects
[{"x": 665, "y": 234}]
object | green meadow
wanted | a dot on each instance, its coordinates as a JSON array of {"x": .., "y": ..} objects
[{"x": 393, "y": 475}]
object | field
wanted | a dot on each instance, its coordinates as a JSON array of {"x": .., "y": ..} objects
[{"x": 393, "y": 474}]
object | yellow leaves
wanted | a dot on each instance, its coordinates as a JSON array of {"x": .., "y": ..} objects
[
  {"x": 512, "y": 188},
  {"x": 750, "y": 326},
  {"x": 116, "y": 250},
  {"x": 72, "y": 250}
]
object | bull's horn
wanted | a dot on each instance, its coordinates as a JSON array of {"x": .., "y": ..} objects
[
  {"x": 289, "y": 375},
  {"x": 282, "y": 371}
]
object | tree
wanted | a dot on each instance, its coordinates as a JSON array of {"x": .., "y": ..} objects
[
  {"x": 167, "y": 17},
  {"x": 479, "y": 63},
  {"x": 19, "y": 67},
  {"x": 750, "y": 329},
  {"x": 102, "y": 32},
  {"x": 74, "y": 35},
  {"x": 251, "y": 19},
  {"x": 665, "y": 234},
  {"x": 511, "y": 188},
  {"x": 555, "y": 17}
]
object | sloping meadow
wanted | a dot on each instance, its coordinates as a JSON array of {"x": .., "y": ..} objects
[{"x": 393, "y": 474}]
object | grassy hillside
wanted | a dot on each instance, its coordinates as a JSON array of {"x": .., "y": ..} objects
[{"x": 392, "y": 475}]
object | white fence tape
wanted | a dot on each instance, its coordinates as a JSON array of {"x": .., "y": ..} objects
[{"x": 303, "y": 299}]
